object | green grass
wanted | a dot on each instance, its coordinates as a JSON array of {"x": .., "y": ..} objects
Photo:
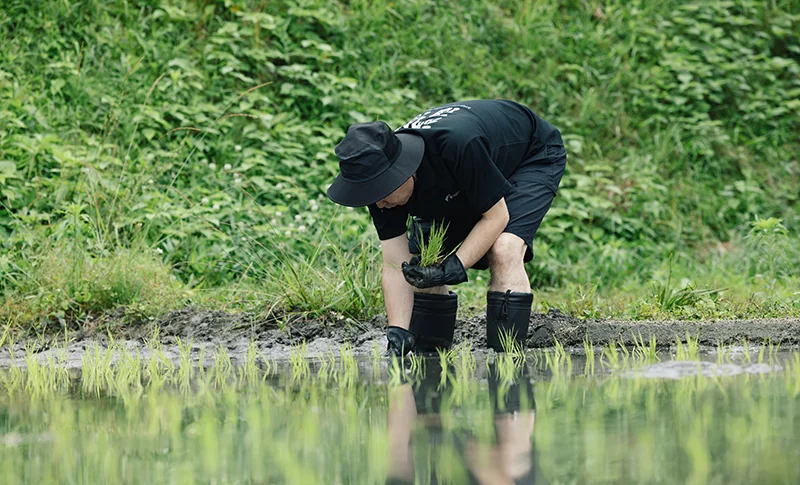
[{"x": 62, "y": 284}]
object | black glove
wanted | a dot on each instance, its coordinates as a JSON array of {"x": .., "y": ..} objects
[
  {"x": 401, "y": 341},
  {"x": 450, "y": 272}
]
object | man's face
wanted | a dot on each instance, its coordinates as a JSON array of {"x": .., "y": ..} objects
[{"x": 399, "y": 196}]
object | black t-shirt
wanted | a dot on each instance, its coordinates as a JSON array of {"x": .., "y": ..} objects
[{"x": 471, "y": 149}]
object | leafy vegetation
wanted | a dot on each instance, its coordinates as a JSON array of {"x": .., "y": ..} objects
[{"x": 196, "y": 138}]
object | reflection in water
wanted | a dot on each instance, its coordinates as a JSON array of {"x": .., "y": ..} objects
[
  {"x": 334, "y": 422},
  {"x": 433, "y": 440}
]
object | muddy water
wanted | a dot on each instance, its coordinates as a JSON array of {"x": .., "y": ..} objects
[
  {"x": 553, "y": 418},
  {"x": 276, "y": 336}
]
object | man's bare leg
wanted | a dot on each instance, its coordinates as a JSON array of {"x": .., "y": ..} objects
[
  {"x": 506, "y": 263},
  {"x": 436, "y": 290},
  {"x": 400, "y": 423}
]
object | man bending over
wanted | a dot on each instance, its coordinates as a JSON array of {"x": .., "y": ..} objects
[{"x": 486, "y": 169}]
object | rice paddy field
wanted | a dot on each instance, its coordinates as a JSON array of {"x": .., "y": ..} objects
[
  {"x": 615, "y": 414},
  {"x": 163, "y": 171}
]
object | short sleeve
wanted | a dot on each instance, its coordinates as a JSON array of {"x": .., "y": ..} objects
[
  {"x": 478, "y": 176},
  {"x": 389, "y": 223}
]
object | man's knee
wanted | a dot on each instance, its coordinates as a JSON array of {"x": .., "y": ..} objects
[
  {"x": 436, "y": 290},
  {"x": 508, "y": 250}
]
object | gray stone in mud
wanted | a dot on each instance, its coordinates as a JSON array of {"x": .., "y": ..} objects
[
  {"x": 546, "y": 328},
  {"x": 542, "y": 336}
]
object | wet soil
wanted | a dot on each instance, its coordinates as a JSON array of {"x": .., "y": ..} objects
[{"x": 277, "y": 336}]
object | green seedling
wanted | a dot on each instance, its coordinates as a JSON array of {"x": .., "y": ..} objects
[
  {"x": 298, "y": 361},
  {"x": 248, "y": 373},
  {"x": 773, "y": 351},
  {"x": 127, "y": 377},
  {"x": 432, "y": 251},
  {"x": 611, "y": 356},
  {"x": 447, "y": 356},
  {"x": 96, "y": 369},
  {"x": 14, "y": 378},
  {"x": 326, "y": 368},
  {"x": 691, "y": 351},
  {"x": 201, "y": 370},
  {"x": 462, "y": 387},
  {"x": 396, "y": 374},
  {"x": 565, "y": 358},
  {"x": 185, "y": 366},
  {"x": 510, "y": 345},
  {"x": 746, "y": 357},
  {"x": 160, "y": 369},
  {"x": 43, "y": 379},
  {"x": 551, "y": 361},
  {"x": 588, "y": 348},
  {"x": 723, "y": 354},
  {"x": 561, "y": 353},
  {"x": 466, "y": 363},
  {"x": 693, "y": 346},
  {"x": 268, "y": 367},
  {"x": 326, "y": 365},
  {"x": 416, "y": 365},
  {"x": 444, "y": 363},
  {"x": 558, "y": 359},
  {"x": 222, "y": 368},
  {"x": 507, "y": 367},
  {"x": 349, "y": 369},
  {"x": 645, "y": 352},
  {"x": 625, "y": 353},
  {"x": 535, "y": 356},
  {"x": 376, "y": 360}
]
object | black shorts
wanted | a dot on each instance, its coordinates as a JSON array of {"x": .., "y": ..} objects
[{"x": 535, "y": 185}]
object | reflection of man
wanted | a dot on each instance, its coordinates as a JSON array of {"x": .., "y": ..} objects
[
  {"x": 489, "y": 169},
  {"x": 509, "y": 460}
]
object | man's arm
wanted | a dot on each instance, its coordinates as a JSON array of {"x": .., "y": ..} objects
[
  {"x": 485, "y": 187},
  {"x": 397, "y": 293},
  {"x": 484, "y": 234}
]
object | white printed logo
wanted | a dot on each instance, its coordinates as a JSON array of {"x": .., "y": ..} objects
[
  {"x": 432, "y": 116},
  {"x": 450, "y": 197}
]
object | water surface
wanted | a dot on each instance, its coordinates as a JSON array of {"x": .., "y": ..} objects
[{"x": 548, "y": 419}]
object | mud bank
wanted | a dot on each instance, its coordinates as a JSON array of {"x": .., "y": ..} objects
[{"x": 277, "y": 337}]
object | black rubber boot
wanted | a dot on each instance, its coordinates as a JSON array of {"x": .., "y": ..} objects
[
  {"x": 433, "y": 321},
  {"x": 510, "y": 396},
  {"x": 428, "y": 391},
  {"x": 507, "y": 312}
]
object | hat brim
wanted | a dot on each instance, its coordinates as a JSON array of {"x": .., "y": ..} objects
[{"x": 360, "y": 194}]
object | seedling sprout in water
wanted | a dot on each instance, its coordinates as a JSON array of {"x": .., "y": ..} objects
[{"x": 509, "y": 344}]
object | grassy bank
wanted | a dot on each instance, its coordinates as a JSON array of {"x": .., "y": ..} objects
[{"x": 156, "y": 154}]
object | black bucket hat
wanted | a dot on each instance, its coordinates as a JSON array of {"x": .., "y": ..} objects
[{"x": 374, "y": 161}]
